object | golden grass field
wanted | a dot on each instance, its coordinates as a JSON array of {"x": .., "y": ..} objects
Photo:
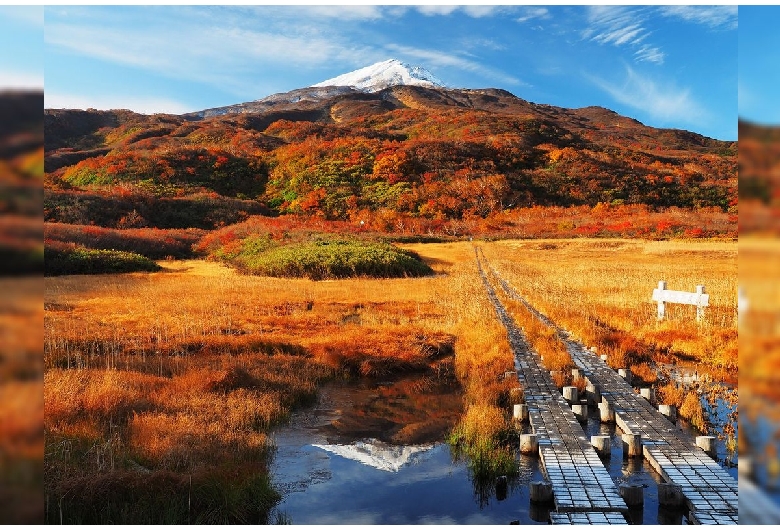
[
  {"x": 159, "y": 372},
  {"x": 21, "y": 392},
  {"x": 601, "y": 290},
  {"x": 759, "y": 352},
  {"x": 152, "y": 374}
]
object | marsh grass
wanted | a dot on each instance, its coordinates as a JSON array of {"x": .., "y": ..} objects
[
  {"x": 600, "y": 291},
  {"x": 693, "y": 411},
  {"x": 148, "y": 376}
]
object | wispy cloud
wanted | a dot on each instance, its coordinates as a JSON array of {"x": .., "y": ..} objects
[
  {"x": 661, "y": 101},
  {"x": 448, "y": 60},
  {"x": 531, "y": 13},
  {"x": 716, "y": 17},
  {"x": 333, "y": 12},
  {"x": 622, "y": 26},
  {"x": 213, "y": 54},
  {"x": 142, "y": 105},
  {"x": 474, "y": 11},
  {"x": 650, "y": 54}
]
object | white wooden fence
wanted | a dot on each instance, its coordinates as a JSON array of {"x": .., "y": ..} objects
[{"x": 662, "y": 295}]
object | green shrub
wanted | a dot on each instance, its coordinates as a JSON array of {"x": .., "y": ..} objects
[
  {"x": 331, "y": 259},
  {"x": 76, "y": 260}
]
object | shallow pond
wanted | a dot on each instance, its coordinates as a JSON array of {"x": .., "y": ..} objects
[{"x": 375, "y": 454}]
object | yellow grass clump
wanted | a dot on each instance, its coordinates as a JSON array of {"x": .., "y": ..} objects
[{"x": 692, "y": 410}]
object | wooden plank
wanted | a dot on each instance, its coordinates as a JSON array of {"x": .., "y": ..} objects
[{"x": 681, "y": 297}]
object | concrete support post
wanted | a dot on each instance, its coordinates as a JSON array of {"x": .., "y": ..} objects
[
  {"x": 571, "y": 394},
  {"x": 520, "y": 412},
  {"x": 670, "y": 411},
  {"x": 632, "y": 445},
  {"x": 581, "y": 412},
  {"x": 529, "y": 444},
  {"x": 707, "y": 444},
  {"x": 541, "y": 492},
  {"x": 648, "y": 393},
  {"x": 670, "y": 494},
  {"x": 625, "y": 373},
  {"x": 602, "y": 443},
  {"x": 745, "y": 468},
  {"x": 594, "y": 394},
  {"x": 633, "y": 495},
  {"x": 606, "y": 412}
]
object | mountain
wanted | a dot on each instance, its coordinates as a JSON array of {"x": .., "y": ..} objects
[
  {"x": 383, "y": 75},
  {"x": 424, "y": 152},
  {"x": 371, "y": 79}
]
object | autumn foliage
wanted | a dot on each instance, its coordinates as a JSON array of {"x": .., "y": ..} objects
[{"x": 421, "y": 164}]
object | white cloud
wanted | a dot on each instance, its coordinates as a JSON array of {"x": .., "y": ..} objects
[
  {"x": 662, "y": 101},
  {"x": 622, "y": 26},
  {"x": 474, "y": 11},
  {"x": 443, "y": 59},
  {"x": 530, "y": 13},
  {"x": 217, "y": 55},
  {"x": 650, "y": 54},
  {"x": 713, "y": 16},
  {"x": 141, "y": 105},
  {"x": 479, "y": 11},
  {"x": 315, "y": 11},
  {"x": 436, "y": 9}
]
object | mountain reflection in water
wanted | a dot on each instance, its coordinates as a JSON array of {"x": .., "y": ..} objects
[{"x": 380, "y": 455}]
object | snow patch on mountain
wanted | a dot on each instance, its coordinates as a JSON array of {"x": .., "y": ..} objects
[{"x": 383, "y": 75}]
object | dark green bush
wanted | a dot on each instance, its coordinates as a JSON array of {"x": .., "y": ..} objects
[
  {"x": 76, "y": 260},
  {"x": 332, "y": 259}
]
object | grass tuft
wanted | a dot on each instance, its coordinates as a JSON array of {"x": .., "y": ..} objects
[
  {"x": 60, "y": 260},
  {"x": 331, "y": 259}
]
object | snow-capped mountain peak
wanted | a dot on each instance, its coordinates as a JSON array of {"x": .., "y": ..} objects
[{"x": 382, "y": 75}]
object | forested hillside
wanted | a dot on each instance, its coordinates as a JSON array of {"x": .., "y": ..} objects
[{"x": 400, "y": 157}]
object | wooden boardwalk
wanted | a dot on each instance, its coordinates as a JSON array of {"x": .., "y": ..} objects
[
  {"x": 711, "y": 494},
  {"x": 756, "y": 507},
  {"x": 583, "y": 491}
]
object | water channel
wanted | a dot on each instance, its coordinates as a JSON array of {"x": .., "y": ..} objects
[{"x": 375, "y": 453}]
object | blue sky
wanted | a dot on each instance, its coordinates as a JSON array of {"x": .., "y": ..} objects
[
  {"x": 667, "y": 66},
  {"x": 21, "y": 47},
  {"x": 759, "y": 64}
]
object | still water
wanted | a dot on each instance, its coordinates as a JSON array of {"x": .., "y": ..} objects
[{"x": 330, "y": 470}]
